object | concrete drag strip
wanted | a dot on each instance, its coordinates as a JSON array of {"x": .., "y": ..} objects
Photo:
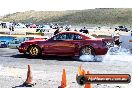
[
  {"x": 44, "y": 79},
  {"x": 22, "y": 73},
  {"x": 47, "y": 71}
]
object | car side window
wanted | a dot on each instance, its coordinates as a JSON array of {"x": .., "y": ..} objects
[
  {"x": 77, "y": 37},
  {"x": 69, "y": 36},
  {"x": 60, "y": 37}
]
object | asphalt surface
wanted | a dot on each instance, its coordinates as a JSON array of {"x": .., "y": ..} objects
[{"x": 47, "y": 70}]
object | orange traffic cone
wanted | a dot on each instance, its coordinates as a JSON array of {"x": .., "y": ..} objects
[
  {"x": 64, "y": 81},
  {"x": 81, "y": 71},
  {"x": 29, "y": 82},
  {"x": 88, "y": 85}
]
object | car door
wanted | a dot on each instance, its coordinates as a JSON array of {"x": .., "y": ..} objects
[
  {"x": 59, "y": 45},
  {"x": 77, "y": 42}
]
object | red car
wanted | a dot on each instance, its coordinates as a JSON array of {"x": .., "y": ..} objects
[{"x": 65, "y": 44}]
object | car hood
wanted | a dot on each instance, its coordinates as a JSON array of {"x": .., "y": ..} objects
[{"x": 35, "y": 40}]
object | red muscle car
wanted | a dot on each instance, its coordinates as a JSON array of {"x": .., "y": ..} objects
[{"x": 65, "y": 44}]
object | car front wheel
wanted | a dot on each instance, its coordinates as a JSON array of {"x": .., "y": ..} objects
[
  {"x": 87, "y": 50},
  {"x": 34, "y": 51}
]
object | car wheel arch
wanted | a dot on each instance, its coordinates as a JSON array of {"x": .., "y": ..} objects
[
  {"x": 31, "y": 46},
  {"x": 31, "y": 53},
  {"x": 88, "y": 46}
]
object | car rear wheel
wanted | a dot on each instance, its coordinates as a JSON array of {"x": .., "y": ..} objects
[
  {"x": 87, "y": 50},
  {"x": 34, "y": 51}
]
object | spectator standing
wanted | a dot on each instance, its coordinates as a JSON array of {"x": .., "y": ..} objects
[
  {"x": 117, "y": 42},
  {"x": 10, "y": 27},
  {"x": 84, "y": 30},
  {"x": 56, "y": 31}
]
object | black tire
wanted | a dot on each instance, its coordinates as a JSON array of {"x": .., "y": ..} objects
[
  {"x": 81, "y": 53},
  {"x": 87, "y": 50},
  {"x": 76, "y": 58},
  {"x": 34, "y": 51}
]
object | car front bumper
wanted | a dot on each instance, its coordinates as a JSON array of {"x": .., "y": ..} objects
[{"x": 22, "y": 49}]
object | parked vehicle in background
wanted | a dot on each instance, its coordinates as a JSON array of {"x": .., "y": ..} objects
[
  {"x": 121, "y": 28},
  {"x": 43, "y": 28},
  {"x": 20, "y": 25},
  {"x": 3, "y": 44},
  {"x": 6, "y": 39},
  {"x": 15, "y": 43},
  {"x": 66, "y": 44},
  {"x": 55, "y": 26},
  {"x": 126, "y": 41},
  {"x": 84, "y": 30}
]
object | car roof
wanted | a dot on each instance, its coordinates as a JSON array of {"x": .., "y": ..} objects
[
  {"x": 70, "y": 32},
  {"x": 87, "y": 35}
]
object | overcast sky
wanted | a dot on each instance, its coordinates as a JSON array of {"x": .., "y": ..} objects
[{"x": 11, "y": 6}]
